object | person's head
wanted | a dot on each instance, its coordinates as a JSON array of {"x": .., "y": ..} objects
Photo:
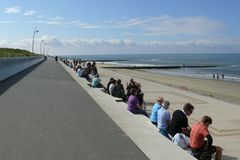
[
  {"x": 119, "y": 81},
  {"x": 138, "y": 85},
  {"x": 166, "y": 104},
  {"x": 188, "y": 108},
  {"x": 160, "y": 100},
  {"x": 132, "y": 81},
  {"x": 114, "y": 81},
  {"x": 206, "y": 120},
  {"x": 88, "y": 64},
  {"x": 133, "y": 91}
]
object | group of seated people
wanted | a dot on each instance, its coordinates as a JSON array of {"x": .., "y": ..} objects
[
  {"x": 116, "y": 89},
  {"x": 84, "y": 70},
  {"x": 176, "y": 128}
]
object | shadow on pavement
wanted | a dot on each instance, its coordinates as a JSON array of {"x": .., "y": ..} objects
[{"x": 10, "y": 81}]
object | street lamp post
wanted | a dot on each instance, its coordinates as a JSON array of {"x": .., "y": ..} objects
[
  {"x": 44, "y": 44},
  {"x": 41, "y": 46},
  {"x": 34, "y": 32}
]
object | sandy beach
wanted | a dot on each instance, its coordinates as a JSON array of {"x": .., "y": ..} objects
[
  {"x": 219, "y": 89},
  {"x": 216, "y": 98}
]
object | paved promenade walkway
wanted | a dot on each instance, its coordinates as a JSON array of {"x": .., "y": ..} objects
[{"x": 46, "y": 115}]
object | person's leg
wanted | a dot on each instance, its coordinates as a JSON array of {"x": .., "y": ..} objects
[
  {"x": 155, "y": 123},
  {"x": 139, "y": 111},
  {"x": 88, "y": 78},
  {"x": 218, "y": 155},
  {"x": 212, "y": 150},
  {"x": 145, "y": 113},
  {"x": 165, "y": 133}
]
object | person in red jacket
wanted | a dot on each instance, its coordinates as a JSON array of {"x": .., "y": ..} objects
[{"x": 200, "y": 147}]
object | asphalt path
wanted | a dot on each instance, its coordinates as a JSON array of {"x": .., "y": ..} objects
[{"x": 46, "y": 115}]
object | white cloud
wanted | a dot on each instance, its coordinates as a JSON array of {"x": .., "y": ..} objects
[
  {"x": 6, "y": 22},
  {"x": 149, "y": 26},
  {"x": 113, "y": 46},
  {"x": 41, "y": 16},
  {"x": 50, "y": 22},
  {"x": 58, "y": 18},
  {"x": 82, "y": 25},
  {"x": 168, "y": 25},
  {"x": 13, "y": 10},
  {"x": 30, "y": 13}
]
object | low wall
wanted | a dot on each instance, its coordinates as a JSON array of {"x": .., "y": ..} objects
[
  {"x": 12, "y": 65},
  {"x": 137, "y": 127}
]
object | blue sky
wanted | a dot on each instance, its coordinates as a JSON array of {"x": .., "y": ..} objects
[{"x": 121, "y": 26}]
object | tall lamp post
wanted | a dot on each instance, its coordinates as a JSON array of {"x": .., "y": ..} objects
[
  {"x": 42, "y": 41},
  {"x": 34, "y": 32},
  {"x": 44, "y": 44}
]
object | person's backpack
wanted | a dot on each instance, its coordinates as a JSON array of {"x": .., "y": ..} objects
[{"x": 181, "y": 140}]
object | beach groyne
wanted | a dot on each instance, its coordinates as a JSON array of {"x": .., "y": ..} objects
[
  {"x": 160, "y": 67},
  {"x": 12, "y": 65}
]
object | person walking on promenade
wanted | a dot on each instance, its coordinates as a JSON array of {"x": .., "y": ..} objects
[
  {"x": 200, "y": 147},
  {"x": 56, "y": 58},
  {"x": 179, "y": 122},
  {"x": 155, "y": 109},
  {"x": 163, "y": 119},
  {"x": 134, "y": 105}
]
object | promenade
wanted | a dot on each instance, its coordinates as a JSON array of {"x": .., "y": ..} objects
[
  {"x": 47, "y": 112},
  {"x": 46, "y": 115}
]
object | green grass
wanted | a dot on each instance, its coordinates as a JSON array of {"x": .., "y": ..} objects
[{"x": 9, "y": 52}]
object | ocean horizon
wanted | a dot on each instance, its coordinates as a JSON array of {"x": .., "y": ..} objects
[{"x": 227, "y": 64}]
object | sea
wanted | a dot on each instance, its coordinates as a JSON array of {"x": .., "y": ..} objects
[{"x": 226, "y": 64}]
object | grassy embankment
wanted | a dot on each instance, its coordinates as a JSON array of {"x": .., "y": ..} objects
[{"x": 9, "y": 52}]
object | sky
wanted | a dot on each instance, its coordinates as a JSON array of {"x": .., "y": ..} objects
[{"x": 81, "y": 27}]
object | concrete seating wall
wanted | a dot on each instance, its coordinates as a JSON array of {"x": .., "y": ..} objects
[
  {"x": 137, "y": 127},
  {"x": 13, "y": 65}
]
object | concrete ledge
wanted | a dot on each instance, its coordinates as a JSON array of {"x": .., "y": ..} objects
[
  {"x": 13, "y": 65},
  {"x": 137, "y": 127}
]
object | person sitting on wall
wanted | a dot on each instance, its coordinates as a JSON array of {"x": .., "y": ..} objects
[
  {"x": 131, "y": 84},
  {"x": 155, "y": 109},
  {"x": 118, "y": 91},
  {"x": 163, "y": 119},
  {"x": 134, "y": 105},
  {"x": 85, "y": 72},
  {"x": 96, "y": 82},
  {"x": 109, "y": 83},
  {"x": 94, "y": 70},
  {"x": 179, "y": 122},
  {"x": 112, "y": 85},
  {"x": 201, "y": 148}
]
